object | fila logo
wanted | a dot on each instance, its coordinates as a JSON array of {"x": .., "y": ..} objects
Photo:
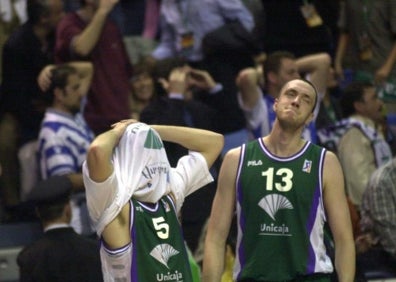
[{"x": 254, "y": 163}]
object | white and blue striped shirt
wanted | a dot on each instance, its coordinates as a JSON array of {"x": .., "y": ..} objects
[{"x": 63, "y": 143}]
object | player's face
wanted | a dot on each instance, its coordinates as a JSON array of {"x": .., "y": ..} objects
[
  {"x": 72, "y": 96},
  {"x": 295, "y": 103}
]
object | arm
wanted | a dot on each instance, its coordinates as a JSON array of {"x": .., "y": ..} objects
[
  {"x": 341, "y": 47},
  {"x": 201, "y": 79},
  {"x": 220, "y": 219},
  {"x": 382, "y": 209},
  {"x": 116, "y": 233},
  {"x": 83, "y": 43},
  {"x": 84, "y": 69},
  {"x": 166, "y": 46},
  {"x": 317, "y": 66},
  {"x": 208, "y": 143},
  {"x": 339, "y": 219},
  {"x": 383, "y": 72},
  {"x": 101, "y": 150},
  {"x": 235, "y": 9},
  {"x": 248, "y": 83}
]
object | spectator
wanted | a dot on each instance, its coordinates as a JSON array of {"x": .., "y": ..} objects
[
  {"x": 139, "y": 24},
  {"x": 366, "y": 45},
  {"x": 12, "y": 15},
  {"x": 376, "y": 246},
  {"x": 61, "y": 254},
  {"x": 310, "y": 27},
  {"x": 202, "y": 33},
  {"x": 88, "y": 34},
  {"x": 134, "y": 197},
  {"x": 330, "y": 108},
  {"x": 279, "y": 68},
  {"x": 378, "y": 219},
  {"x": 285, "y": 190},
  {"x": 362, "y": 148},
  {"x": 28, "y": 49},
  {"x": 64, "y": 136},
  {"x": 143, "y": 89}
]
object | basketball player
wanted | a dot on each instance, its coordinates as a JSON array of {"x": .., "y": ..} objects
[
  {"x": 134, "y": 197},
  {"x": 284, "y": 190}
]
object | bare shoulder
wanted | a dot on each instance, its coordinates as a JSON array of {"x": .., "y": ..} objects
[
  {"x": 331, "y": 161},
  {"x": 232, "y": 156},
  {"x": 332, "y": 171},
  {"x": 230, "y": 163}
]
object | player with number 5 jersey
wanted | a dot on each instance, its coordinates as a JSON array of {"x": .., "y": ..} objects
[{"x": 134, "y": 197}]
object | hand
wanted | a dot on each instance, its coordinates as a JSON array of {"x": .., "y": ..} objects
[
  {"x": 164, "y": 83},
  {"x": 177, "y": 82},
  {"x": 364, "y": 242},
  {"x": 44, "y": 78},
  {"x": 382, "y": 74},
  {"x": 200, "y": 79},
  {"x": 120, "y": 127},
  {"x": 107, "y": 5},
  {"x": 250, "y": 76}
]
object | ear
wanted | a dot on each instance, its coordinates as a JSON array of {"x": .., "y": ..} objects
[
  {"x": 275, "y": 105},
  {"x": 58, "y": 94},
  {"x": 309, "y": 119},
  {"x": 358, "y": 105},
  {"x": 272, "y": 77}
]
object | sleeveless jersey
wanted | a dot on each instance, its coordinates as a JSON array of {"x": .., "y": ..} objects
[
  {"x": 159, "y": 252},
  {"x": 281, "y": 216}
]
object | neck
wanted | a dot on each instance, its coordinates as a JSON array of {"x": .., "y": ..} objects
[
  {"x": 62, "y": 109},
  {"x": 284, "y": 143}
]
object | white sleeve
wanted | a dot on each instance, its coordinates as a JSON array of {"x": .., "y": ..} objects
[
  {"x": 100, "y": 197},
  {"x": 190, "y": 174},
  {"x": 122, "y": 258}
]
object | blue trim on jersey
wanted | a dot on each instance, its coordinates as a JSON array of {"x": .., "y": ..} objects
[
  {"x": 240, "y": 214},
  {"x": 283, "y": 159}
]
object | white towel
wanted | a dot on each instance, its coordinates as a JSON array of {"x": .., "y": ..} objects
[
  {"x": 140, "y": 163},
  {"x": 141, "y": 170}
]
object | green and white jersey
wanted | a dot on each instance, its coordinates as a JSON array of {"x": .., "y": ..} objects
[
  {"x": 157, "y": 252},
  {"x": 281, "y": 216}
]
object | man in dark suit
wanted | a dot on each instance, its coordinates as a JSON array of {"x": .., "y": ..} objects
[{"x": 61, "y": 254}]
